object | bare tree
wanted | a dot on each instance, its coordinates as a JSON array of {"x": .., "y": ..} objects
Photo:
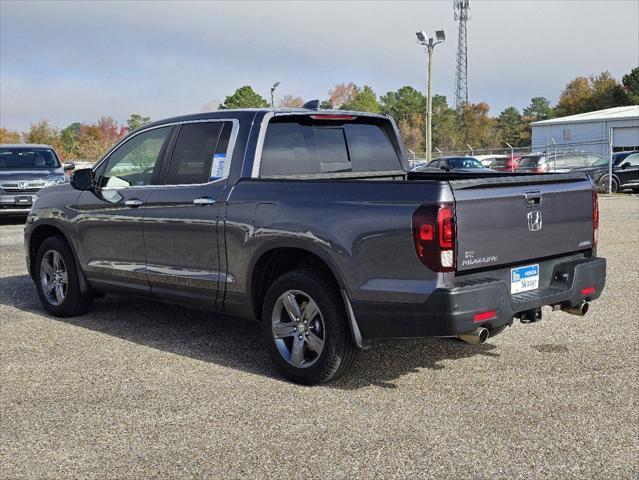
[
  {"x": 342, "y": 93},
  {"x": 212, "y": 106},
  {"x": 289, "y": 101}
]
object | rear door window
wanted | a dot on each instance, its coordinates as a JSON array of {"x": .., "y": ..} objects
[
  {"x": 299, "y": 146},
  {"x": 199, "y": 155}
]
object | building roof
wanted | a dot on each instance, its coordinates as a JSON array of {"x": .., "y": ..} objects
[{"x": 616, "y": 113}]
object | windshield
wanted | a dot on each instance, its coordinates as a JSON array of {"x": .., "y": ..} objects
[
  {"x": 601, "y": 162},
  {"x": 27, "y": 159},
  {"x": 463, "y": 162},
  {"x": 499, "y": 162}
]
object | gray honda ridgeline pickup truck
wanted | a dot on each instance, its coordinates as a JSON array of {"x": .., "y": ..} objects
[{"x": 309, "y": 222}]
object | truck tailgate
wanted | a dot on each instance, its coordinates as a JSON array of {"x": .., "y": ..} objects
[{"x": 504, "y": 220}]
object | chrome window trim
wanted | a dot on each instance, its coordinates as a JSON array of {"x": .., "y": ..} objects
[
  {"x": 257, "y": 159},
  {"x": 229, "y": 151}
]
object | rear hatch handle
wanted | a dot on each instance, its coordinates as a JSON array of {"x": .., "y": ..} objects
[{"x": 532, "y": 198}]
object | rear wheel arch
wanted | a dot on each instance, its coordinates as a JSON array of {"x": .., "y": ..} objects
[{"x": 271, "y": 263}]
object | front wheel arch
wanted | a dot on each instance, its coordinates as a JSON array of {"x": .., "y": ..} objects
[{"x": 38, "y": 236}]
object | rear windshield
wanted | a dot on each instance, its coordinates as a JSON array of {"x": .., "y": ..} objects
[
  {"x": 298, "y": 146},
  {"x": 529, "y": 161},
  {"x": 27, "y": 159}
]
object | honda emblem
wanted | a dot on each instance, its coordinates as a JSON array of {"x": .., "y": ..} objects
[{"x": 534, "y": 221}]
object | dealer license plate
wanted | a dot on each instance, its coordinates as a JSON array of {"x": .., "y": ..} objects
[
  {"x": 23, "y": 200},
  {"x": 523, "y": 279}
]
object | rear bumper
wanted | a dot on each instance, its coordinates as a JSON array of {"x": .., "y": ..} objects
[{"x": 452, "y": 311}]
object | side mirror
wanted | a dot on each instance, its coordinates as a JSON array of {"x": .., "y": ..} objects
[
  {"x": 625, "y": 165},
  {"x": 82, "y": 179}
]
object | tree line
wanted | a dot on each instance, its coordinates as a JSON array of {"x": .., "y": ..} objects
[
  {"x": 453, "y": 129},
  {"x": 470, "y": 124},
  {"x": 78, "y": 140}
]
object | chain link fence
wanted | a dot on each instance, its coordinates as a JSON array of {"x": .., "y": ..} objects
[{"x": 551, "y": 157}]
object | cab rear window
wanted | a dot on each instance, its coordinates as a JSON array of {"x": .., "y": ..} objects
[{"x": 302, "y": 146}]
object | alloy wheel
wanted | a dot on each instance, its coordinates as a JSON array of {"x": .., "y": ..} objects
[
  {"x": 54, "y": 279},
  {"x": 298, "y": 328}
]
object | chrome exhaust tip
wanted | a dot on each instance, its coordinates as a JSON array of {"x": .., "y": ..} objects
[
  {"x": 476, "y": 337},
  {"x": 580, "y": 310}
]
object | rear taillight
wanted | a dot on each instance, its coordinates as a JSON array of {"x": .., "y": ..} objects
[
  {"x": 595, "y": 218},
  {"x": 434, "y": 237}
]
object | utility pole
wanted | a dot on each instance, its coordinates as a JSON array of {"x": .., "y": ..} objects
[{"x": 429, "y": 44}]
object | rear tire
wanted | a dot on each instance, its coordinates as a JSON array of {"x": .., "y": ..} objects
[
  {"x": 305, "y": 328},
  {"x": 56, "y": 279}
]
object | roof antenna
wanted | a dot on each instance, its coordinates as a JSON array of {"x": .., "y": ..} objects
[{"x": 312, "y": 105}]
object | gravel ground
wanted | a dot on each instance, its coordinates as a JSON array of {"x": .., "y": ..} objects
[{"x": 138, "y": 389}]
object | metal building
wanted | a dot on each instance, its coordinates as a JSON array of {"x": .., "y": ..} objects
[{"x": 590, "y": 132}]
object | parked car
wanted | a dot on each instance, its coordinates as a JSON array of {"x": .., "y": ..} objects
[
  {"x": 309, "y": 222},
  {"x": 625, "y": 172},
  {"x": 24, "y": 170},
  {"x": 456, "y": 164},
  {"x": 561, "y": 162},
  {"x": 488, "y": 160},
  {"x": 506, "y": 164}
]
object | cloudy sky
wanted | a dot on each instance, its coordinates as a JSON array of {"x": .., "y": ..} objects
[{"x": 74, "y": 61}]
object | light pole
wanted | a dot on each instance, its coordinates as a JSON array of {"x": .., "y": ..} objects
[
  {"x": 275, "y": 85},
  {"x": 430, "y": 43}
]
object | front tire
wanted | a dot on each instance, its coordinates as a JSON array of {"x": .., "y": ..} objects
[
  {"x": 57, "y": 282},
  {"x": 602, "y": 185},
  {"x": 305, "y": 328}
]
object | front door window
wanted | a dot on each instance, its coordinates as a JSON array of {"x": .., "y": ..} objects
[{"x": 134, "y": 162}]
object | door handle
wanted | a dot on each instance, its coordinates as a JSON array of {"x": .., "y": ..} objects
[
  {"x": 532, "y": 198},
  {"x": 204, "y": 201},
  {"x": 134, "y": 203}
]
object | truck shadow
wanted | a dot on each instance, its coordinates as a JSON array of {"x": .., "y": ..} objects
[{"x": 233, "y": 342}]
